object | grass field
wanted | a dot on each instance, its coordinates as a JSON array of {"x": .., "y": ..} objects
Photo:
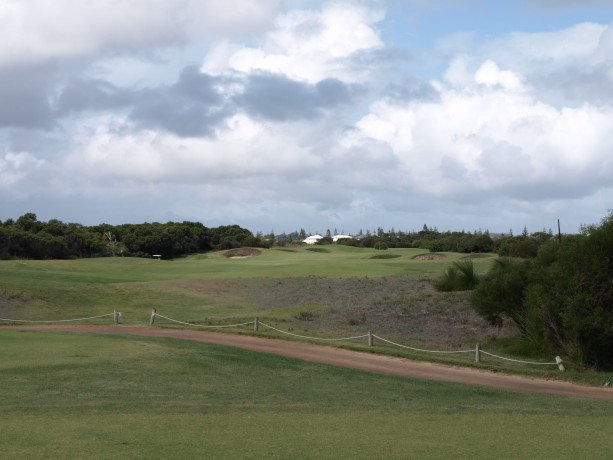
[
  {"x": 86, "y": 396},
  {"x": 68, "y": 287},
  {"x": 341, "y": 292}
]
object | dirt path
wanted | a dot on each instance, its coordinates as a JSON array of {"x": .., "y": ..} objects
[{"x": 350, "y": 359}]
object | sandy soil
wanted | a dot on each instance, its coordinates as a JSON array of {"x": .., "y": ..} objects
[{"x": 350, "y": 359}]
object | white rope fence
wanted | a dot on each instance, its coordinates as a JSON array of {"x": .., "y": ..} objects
[
  {"x": 309, "y": 337},
  {"x": 202, "y": 325},
  {"x": 421, "y": 349},
  {"x": 115, "y": 316},
  {"x": 517, "y": 360},
  {"x": 477, "y": 350}
]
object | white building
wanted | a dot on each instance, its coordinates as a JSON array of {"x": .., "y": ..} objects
[
  {"x": 313, "y": 239},
  {"x": 335, "y": 238}
]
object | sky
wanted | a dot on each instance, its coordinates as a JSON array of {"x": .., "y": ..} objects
[{"x": 281, "y": 115}]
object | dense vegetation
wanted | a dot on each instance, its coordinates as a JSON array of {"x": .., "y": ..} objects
[
  {"x": 561, "y": 300},
  {"x": 430, "y": 239},
  {"x": 29, "y": 238},
  {"x": 524, "y": 245}
]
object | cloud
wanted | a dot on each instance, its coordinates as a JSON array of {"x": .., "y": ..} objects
[
  {"x": 306, "y": 45},
  {"x": 273, "y": 116},
  {"x": 198, "y": 103},
  {"x": 538, "y": 49},
  {"x": 193, "y": 106},
  {"x": 240, "y": 148},
  {"x": 493, "y": 137},
  {"x": 490, "y": 75},
  {"x": 15, "y": 168},
  {"x": 36, "y": 31},
  {"x": 557, "y": 5},
  {"x": 278, "y": 98},
  {"x": 565, "y": 67},
  {"x": 408, "y": 89},
  {"x": 82, "y": 94},
  {"x": 24, "y": 98}
]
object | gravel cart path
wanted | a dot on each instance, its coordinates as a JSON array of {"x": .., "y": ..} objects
[{"x": 349, "y": 359}]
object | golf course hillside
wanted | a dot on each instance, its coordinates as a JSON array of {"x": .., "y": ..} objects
[
  {"x": 85, "y": 395},
  {"x": 333, "y": 291}
]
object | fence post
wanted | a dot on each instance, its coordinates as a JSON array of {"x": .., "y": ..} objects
[
  {"x": 559, "y": 363},
  {"x": 370, "y": 338},
  {"x": 477, "y": 353},
  {"x": 256, "y": 324},
  {"x": 116, "y": 316},
  {"x": 152, "y": 319}
]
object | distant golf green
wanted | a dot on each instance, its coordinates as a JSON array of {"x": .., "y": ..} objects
[{"x": 58, "y": 289}]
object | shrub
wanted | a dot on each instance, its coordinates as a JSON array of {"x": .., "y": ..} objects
[
  {"x": 461, "y": 276},
  {"x": 562, "y": 300},
  {"x": 305, "y": 316},
  {"x": 502, "y": 291}
]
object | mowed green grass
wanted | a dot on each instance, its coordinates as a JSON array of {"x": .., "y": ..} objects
[
  {"x": 63, "y": 289},
  {"x": 87, "y": 396}
]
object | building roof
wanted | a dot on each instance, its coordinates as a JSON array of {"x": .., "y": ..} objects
[
  {"x": 312, "y": 239},
  {"x": 335, "y": 238}
]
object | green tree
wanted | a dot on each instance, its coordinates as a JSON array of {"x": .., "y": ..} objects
[
  {"x": 28, "y": 222},
  {"x": 562, "y": 300},
  {"x": 502, "y": 291}
]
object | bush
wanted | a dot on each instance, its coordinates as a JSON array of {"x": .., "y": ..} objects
[
  {"x": 305, "y": 316},
  {"x": 501, "y": 292},
  {"x": 562, "y": 300},
  {"x": 461, "y": 276}
]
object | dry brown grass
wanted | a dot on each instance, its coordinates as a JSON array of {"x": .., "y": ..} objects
[
  {"x": 429, "y": 256},
  {"x": 241, "y": 252},
  {"x": 405, "y": 308}
]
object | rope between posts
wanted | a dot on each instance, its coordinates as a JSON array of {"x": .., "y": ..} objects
[
  {"x": 517, "y": 360},
  {"x": 55, "y": 321},
  {"x": 370, "y": 335},
  {"x": 203, "y": 325},
  {"x": 312, "y": 338},
  {"x": 420, "y": 349}
]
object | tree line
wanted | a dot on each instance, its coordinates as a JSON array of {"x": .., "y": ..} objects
[
  {"x": 29, "y": 238},
  {"x": 524, "y": 245}
]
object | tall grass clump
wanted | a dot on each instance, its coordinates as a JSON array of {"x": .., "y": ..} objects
[{"x": 460, "y": 276}]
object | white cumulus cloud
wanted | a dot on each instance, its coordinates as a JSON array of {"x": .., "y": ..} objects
[
  {"x": 35, "y": 31},
  {"x": 241, "y": 149},
  {"x": 493, "y": 136},
  {"x": 15, "y": 167},
  {"x": 306, "y": 45}
]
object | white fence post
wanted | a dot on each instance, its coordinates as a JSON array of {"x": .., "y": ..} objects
[
  {"x": 477, "y": 353},
  {"x": 370, "y": 338},
  {"x": 152, "y": 319},
  {"x": 256, "y": 324},
  {"x": 116, "y": 316}
]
